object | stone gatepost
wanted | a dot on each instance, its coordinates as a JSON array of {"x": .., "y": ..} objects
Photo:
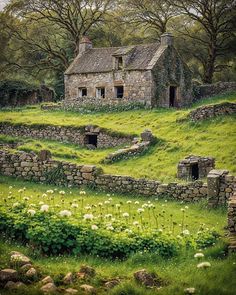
[
  {"x": 232, "y": 223},
  {"x": 214, "y": 179},
  {"x": 44, "y": 155}
]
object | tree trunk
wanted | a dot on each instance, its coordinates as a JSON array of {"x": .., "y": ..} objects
[{"x": 209, "y": 68}]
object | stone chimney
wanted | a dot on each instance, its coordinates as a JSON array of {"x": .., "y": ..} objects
[
  {"x": 85, "y": 44},
  {"x": 167, "y": 39}
]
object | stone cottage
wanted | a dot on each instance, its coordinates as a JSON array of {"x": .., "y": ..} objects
[{"x": 150, "y": 74}]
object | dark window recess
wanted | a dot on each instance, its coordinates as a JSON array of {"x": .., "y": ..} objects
[
  {"x": 91, "y": 139},
  {"x": 172, "y": 96},
  {"x": 100, "y": 92},
  {"x": 82, "y": 92},
  {"x": 119, "y": 91},
  {"x": 195, "y": 171},
  {"x": 120, "y": 63}
]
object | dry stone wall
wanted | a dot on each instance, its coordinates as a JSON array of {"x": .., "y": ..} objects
[
  {"x": 29, "y": 166},
  {"x": 208, "y": 90},
  {"x": 211, "y": 111},
  {"x": 232, "y": 222},
  {"x": 75, "y": 135}
]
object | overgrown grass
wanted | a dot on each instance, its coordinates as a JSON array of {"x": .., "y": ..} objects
[
  {"x": 196, "y": 214},
  {"x": 178, "y": 273},
  {"x": 215, "y": 137}
]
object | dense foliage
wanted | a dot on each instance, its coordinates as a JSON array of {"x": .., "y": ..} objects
[
  {"x": 101, "y": 229},
  {"x": 39, "y": 38}
]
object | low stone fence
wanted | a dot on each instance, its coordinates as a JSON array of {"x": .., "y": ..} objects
[
  {"x": 210, "y": 111},
  {"x": 208, "y": 90},
  {"x": 232, "y": 222},
  {"x": 40, "y": 168},
  {"x": 127, "y": 152},
  {"x": 76, "y": 135}
]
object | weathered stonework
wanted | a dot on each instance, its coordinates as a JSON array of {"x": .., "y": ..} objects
[
  {"x": 76, "y": 135},
  {"x": 137, "y": 148},
  {"x": 211, "y": 111},
  {"x": 30, "y": 167},
  {"x": 195, "y": 167},
  {"x": 221, "y": 186},
  {"x": 150, "y": 74},
  {"x": 138, "y": 85},
  {"x": 208, "y": 90},
  {"x": 232, "y": 223}
]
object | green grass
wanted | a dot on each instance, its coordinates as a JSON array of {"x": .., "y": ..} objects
[
  {"x": 215, "y": 137},
  {"x": 178, "y": 273},
  {"x": 212, "y": 219}
]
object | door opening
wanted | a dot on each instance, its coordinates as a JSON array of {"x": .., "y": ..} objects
[
  {"x": 91, "y": 139},
  {"x": 194, "y": 171},
  {"x": 172, "y": 96}
]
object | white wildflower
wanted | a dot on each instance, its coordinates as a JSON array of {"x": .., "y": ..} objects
[
  {"x": 61, "y": 192},
  {"x": 50, "y": 191},
  {"x": 186, "y": 232},
  {"x": 88, "y": 216},
  {"x": 44, "y": 195},
  {"x": 190, "y": 290},
  {"x": 110, "y": 227},
  {"x": 126, "y": 214},
  {"x": 31, "y": 212},
  {"x": 82, "y": 193},
  {"x": 65, "y": 213},
  {"x": 140, "y": 210},
  {"x": 107, "y": 202},
  {"x": 198, "y": 255},
  {"x": 74, "y": 205},
  {"x": 136, "y": 202},
  {"x": 117, "y": 205},
  {"x": 94, "y": 227},
  {"x": 41, "y": 203},
  {"x": 44, "y": 208},
  {"x": 26, "y": 199},
  {"x": 204, "y": 265},
  {"x": 129, "y": 202},
  {"x": 135, "y": 223},
  {"x": 16, "y": 204}
]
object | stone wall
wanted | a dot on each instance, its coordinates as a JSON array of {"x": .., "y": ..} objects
[
  {"x": 171, "y": 71},
  {"x": 29, "y": 166},
  {"x": 208, "y": 90},
  {"x": 210, "y": 111},
  {"x": 232, "y": 223},
  {"x": 204, "y": 166},
  {"x": 137, "y": 87},
  {"x": 75, "y": 135},
  {"x": 221, "y": 186}
]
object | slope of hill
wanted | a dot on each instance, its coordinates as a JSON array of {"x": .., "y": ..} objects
[{"x": 213, "y": 137}]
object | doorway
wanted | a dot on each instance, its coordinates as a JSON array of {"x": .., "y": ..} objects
[
  {"x": 91, "y": 139},
  {"x": 195, "y": 171},
  {"x": 172, "y": 96}
]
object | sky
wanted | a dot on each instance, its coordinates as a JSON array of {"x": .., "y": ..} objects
[{"x": 3, "y": 3}]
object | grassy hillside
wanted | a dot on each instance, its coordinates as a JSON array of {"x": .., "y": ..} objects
[
  {"x": 213, "y": 137},
  {"x": 178, "y": 273}
]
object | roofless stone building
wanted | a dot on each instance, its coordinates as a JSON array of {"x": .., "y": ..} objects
[{"x": 150, "y": 74}]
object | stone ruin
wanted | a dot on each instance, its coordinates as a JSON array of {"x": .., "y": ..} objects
[
  {"x": 138, "y": 146},
  {"x": 195, "y": 167}
]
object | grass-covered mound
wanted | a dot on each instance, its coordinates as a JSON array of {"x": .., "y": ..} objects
[{"x": 213, "y": 137}]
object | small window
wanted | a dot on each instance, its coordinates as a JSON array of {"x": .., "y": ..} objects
[
  {"x": 100, "y": 92},
  {"x": 119, "y": 63},
  {"x": 82, "y": 91},
  {"x": 119, "y": 91}
]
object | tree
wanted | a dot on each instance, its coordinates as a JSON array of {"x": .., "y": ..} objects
[
  {"x": 150, "y": 13},
  {"x": 211, "y": 25}
]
